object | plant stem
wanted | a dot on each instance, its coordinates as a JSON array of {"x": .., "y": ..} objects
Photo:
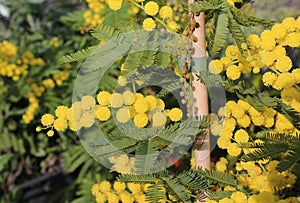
[{"x": 202, "y": 155}]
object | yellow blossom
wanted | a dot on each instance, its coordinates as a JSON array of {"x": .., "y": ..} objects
[
  {"x": 149, "y": 24},
  {"x": 102, "y": 113},
  {"x": 140, "y": 120},
  {"x": 165, "y": 12},
  {"x": 175, "y": 114},
  {"x": 123, "y": 115},
  {"x": 151, "y": 8},
  {"x": 47, "y": 119}
]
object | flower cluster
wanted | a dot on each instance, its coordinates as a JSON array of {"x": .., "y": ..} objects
[
  {"x": 16, "y": 68},
  {"x": 234, "y": 121},
  {"x": 239, "y": 197},
  {"x": 152, "y": 9},
  {"x": 266, "y": 55},
  {"x": 120, "y": 192},
  {"x": 93, "y": 16},
  {"x": 262, "y": 178},
  {"x": 142, "y": 110}
]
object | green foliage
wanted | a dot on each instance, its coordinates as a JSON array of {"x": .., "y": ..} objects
[
  {"x": 222, "y": 179},
  {"x": 104, "y": 32},
  {"x": 225, "y": 19},
  {"x": 220, "y": 195},
  {"x": 283, "y": 147},
  {"x": 180, "y": 186},
  {"x": 78, "y": 56}
]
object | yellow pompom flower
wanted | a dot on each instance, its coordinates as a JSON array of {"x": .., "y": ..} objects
[
  {"x": 87, "y": 102},
  {"x": 112, "y": 197},
  {"x": 141, "y": 105},
  {"x": 128, "y": 97},
  {"x": 233, "y": 149},
  {"x": 175, "y": 114},
  {"x": 278, "y": 31},
  {"x": 269, "y": 78},
  {"x": 123, "y": 115},
  {"x": 215, "y": 66},
  {"x": 254, "y": 41},
  {"x": 61, "y": 111},
  {"x": 104, "y": 98},
  {"x": 126, "y": 197},
  {"x": 159, "y": 119},
  {"x": 60, "y": 124},
  {"x": 114, "y": 4},
  {"x": 38, "y": 129},
  {"x": 119, "y": 186},
  {"x": 283, "y": 64},
  {"x": 101, "y": 198},
  {"x": 47, "y": 119},
  {"x": 116, "y": 100},
  {"x": 172, "y": 25},
  {"x": 267, "y": 40},
  {"x": 149, "y": 24},
  {"x": 233, "y": 72},
  {"x": 140, "y": 120},
  {"x": 151, "y": 8},
  {"x": 50, "y": 133},
  {"x": 135, "y": 188},
  {"x": 239, "y": 197},
  {"x": 95, "y": 189},
  {"x": 102, "y": 113},
  {"x": 151, "y": 101},
  {"x": 241, "y": 136},
  {"x": 161, "y": 104},
  {"x": 244, "y": 121},
  {"x": 165, "y": 12},
  {"x": 105, "y": 186}
]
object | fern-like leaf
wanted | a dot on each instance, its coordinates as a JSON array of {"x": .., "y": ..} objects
[
  {"x": 219, "y": 195},
  {"x": 204, "y": 6},
  {"x": 222, "y": 179},
  {"x": 193, "y": 181},
  {"x": 247, "y": 20},
  {"x": 265, "y": 152},
  {"x": 104, "y": 32},
  {"x": 237, "y": 33},
  {"x": 155, "y": 193},
  {"x": 221, "y": 32},
  {"x": 146, "y": 157},
  {"x": 77, "y": 56},
  {"x": 178, "y": 190}
]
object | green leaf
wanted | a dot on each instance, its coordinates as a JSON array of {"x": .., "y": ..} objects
[
  {"x": 155, "y": 193},
  {"x": 237, "y": 33},
  {"x": 178, "y": 190},
  {"x": 220, "y": 195},
  {"x": 4, "y": 160},
  {"x": 265, "y": 152},
  {"x": 222, "y": 179},
  {"x": 247, "y": 20},
  {"x": 146, "y": 157},
  {"x": 104, "y": 32},
  {"x": 221, "y": 32},
  {"x": 77, "y": 56},
  {"x": 193, "y": 181},
  {"x": 204, "y": 6}
]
